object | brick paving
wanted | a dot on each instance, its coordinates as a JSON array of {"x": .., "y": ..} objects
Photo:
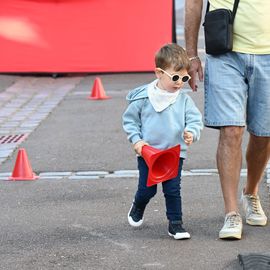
[{"x": 24, "y": 105}]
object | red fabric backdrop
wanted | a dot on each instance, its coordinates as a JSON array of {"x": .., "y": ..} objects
[{"x": 82, "y": 35}]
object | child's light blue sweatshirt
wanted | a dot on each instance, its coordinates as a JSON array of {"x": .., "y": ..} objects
[{"x": 163, "y": 129}]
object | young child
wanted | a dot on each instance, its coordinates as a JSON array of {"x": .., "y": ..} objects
[{"x": 162, "y": 116}]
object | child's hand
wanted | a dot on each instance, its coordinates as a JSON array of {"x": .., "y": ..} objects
[
  {"x": 188, "y": 137},
  {"x": 138, "y": 147}
]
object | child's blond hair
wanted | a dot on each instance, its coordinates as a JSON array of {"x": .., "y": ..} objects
[{"x": 172, "y": 55}]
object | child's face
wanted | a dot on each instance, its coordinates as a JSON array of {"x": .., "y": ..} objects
[{"x": 168, "y": 79}]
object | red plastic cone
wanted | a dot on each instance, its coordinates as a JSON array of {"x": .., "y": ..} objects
[
  {"x": 162, "y": 164},
  {"x": 98, "y": 91},
  {"x": 22, "y": 169}
]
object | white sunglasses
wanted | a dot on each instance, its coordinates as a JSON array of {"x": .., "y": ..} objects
[{"x": 176, "y": 77}]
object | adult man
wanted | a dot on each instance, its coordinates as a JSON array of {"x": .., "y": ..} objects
[{"x": 237, "y": 93}]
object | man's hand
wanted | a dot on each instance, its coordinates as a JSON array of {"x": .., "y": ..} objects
[
  {"x": 195, "y": 68},
  {"x": 188, "y": 137},
  {"x": 138, "y": 147}
]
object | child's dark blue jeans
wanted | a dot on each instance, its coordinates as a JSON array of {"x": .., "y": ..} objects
[{"x": 171, "y": 190}]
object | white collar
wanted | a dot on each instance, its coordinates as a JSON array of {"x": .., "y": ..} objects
[{"x": 159, "y": 98}]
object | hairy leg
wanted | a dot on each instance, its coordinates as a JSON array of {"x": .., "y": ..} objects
[
  {"x": 257, "y": 155},
  {"x": 229, "y": 162}
]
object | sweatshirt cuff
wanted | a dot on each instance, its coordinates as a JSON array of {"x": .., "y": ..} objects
[
  {"x": 135, "y": 139},
  {"x": 195, "y": 136}
]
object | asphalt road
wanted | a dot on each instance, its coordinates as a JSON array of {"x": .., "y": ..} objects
[{"x": 82, "y": 224}]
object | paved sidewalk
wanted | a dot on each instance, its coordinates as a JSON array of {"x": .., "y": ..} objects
[
  {"x": 23, "y": 106},
  {"x": 75, "y": 215}
]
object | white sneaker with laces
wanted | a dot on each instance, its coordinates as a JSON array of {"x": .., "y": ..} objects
[
  {"x": 232, "y": 228},
  {"x": 253, "y": 210}
]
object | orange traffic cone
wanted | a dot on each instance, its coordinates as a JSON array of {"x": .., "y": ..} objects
[
  {"x": 162, "y": 164},
  {"x": 98, "y": 91},
  {"x": 22, "y": 169}
]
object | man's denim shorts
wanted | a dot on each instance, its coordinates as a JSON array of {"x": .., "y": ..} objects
[{"x": 237, "y": 92}]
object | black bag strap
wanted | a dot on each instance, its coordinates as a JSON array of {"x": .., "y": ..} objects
[{"x": 235, "y": 6}]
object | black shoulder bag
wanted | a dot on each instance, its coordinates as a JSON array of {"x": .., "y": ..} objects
[{"x": 218, "y": 29}]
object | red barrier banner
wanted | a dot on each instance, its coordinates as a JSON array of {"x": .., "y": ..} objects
[{"x": 82, "y": 35}]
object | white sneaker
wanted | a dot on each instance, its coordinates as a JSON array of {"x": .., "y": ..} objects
[
  {"x": 253, "y": 210},
  {"x": 232, "y": 228}
]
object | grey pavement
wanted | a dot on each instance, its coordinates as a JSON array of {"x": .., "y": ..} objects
[
  {"x": 80, "y": 222},
  {"x": 83, "y": 225},
  {"x": 75, "y": 215}
]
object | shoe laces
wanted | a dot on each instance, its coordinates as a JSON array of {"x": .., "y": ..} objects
[
  {"x": 233, "y": 220},
  {"x": 177, "y": 226},
  {"x": 137, "y": 212},
  {"x": 254, "y": 202}
]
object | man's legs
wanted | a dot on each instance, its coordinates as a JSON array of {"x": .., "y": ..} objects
[
  {"x": 229, "y": 161},
  {"x": 243, "y": 100},
  {"x": 257, "y": 155},
  {"x": 258, "y": 125}
]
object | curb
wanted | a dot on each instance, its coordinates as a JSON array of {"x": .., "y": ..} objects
[{"x": 89, "y": 175}]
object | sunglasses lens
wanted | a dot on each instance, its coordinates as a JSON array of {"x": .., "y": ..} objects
[
  {"x": 175, "y": 78},
  {"x": 185, "y": 78}
]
